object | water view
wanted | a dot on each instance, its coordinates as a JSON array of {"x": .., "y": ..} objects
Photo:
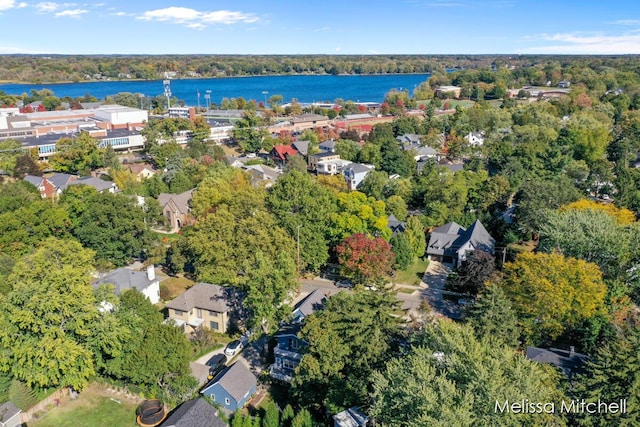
[{"x": 305, "y": 88}]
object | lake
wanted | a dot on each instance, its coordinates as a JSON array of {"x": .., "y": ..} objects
[{"x": 368, "y": 88}]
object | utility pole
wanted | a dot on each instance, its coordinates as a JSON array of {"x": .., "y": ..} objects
[{"x": 298, "y": 227}]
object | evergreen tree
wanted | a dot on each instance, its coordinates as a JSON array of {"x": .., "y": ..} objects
[{"x": 491, "y": 316}]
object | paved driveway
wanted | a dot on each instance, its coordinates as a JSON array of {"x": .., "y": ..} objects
[{"x": 434, "y": 281}]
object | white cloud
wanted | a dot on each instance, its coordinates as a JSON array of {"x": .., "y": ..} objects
[
  {"x": 13, "y": 49},
  {"x": 22, "y": 5},
  {"x": 196, "y": 19},
  {"x": 6, "y": 4},
  {"x": 120, "y": 14},
  {"x": 71, "y": 13},
  {"x": 47, "y": 7},
  {"x": 578, "y": 43},
  {"x": 627, "y": 22}
]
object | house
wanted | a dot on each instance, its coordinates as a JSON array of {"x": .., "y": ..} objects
[
  {"x": 421, "y": 152},
  {"x": 141, "y": 171},
  {"x": 475, "y": 139},
  {"x": 232, "y": 387},
  {"x": 176, "y": 209},
  {"x": 328, "y": 146},
  {"x": 51, "y": 185},
  {"x": 287, "y": 353},
  {"x": 409, "y": 139},
  {"x": 452, "y": 166},
  {"x": 451, "y": 242},
  {"x": 395, "y": 225},
  {"x": 281, "y": 153},
  {"x": 355, "y": 173},
  {"x": 564, "y": 84},
  {"x": 288, "y": 350},
  {"x": 262, "y": 175},
  {"x": 327, "y": 163},
  {"x": 203, "y": 305},
  {"x": 100, "y": 185},
  {"x": 312, "y": 302},
  {"x": 9, "y": 415},
  {"x": 351, "y": 417},
  {"x": 568, "y": 362},
  {"x": 194, "y": 413},
  {"x": 124, "y": 278}
]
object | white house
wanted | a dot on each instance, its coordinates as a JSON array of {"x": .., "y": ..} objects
[
  {"x": 124, "y": 278},
  {"x": 355, "y": 173},
  {"x": 475, "y": 139}
]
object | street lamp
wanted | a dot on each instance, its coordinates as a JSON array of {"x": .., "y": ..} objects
[{"x": 298, "y": 227}]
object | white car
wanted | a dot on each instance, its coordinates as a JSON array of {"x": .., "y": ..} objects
[{"x": 233, "y": 348}]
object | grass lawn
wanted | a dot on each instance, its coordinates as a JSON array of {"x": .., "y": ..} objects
[
  {"x": 171, "y": 287},
  {"x": 93, "y": 407},
  {"x": 413, "y": 274}
]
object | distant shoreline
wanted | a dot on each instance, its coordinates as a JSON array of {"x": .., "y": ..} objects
[{"x": 17, "y": 82}]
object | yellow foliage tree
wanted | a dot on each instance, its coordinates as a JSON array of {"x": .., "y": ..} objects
[
  {"x": 550, "y": 292},
  {"x": 622, "y": 215}
]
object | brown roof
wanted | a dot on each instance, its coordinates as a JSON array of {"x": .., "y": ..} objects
[{"x": 205, "y": 296}]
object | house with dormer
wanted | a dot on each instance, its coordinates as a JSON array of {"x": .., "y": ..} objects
[
  {"x": 450, "y": 243},
  {"x": 176, "y": 209}
]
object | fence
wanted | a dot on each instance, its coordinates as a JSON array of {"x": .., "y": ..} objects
[{"x": 42, "y": 406}]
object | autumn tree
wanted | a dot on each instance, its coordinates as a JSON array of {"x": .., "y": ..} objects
[
  {"x": 358, "y": 213},
  {"x": 551, "y": 293},
  {"x": 365, "y": 259},
  {"x": 474, "y": 271}
]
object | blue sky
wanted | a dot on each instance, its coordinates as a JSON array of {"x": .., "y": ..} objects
[{"x": 321, "y": 27}]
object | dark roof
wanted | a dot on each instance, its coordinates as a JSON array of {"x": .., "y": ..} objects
[
  {"x": 323, "y": 154},
  {"x": 312, "y": 302},
  {"x": 395, "y": 225},
  {"x": 8, "y": 410},
  {"x": 291, "y": 329},
  {"x": 479, "y": 238},
  {"x": 567, "y": 361},
  {"x": 237, "y": 380},
  {"x": 328, "y": 144},
  {"x": 194, "y": 413},
  {"x": 451, "y": 237},
  {"x": 359, "y": 168},
  {"x": 124, "y": 278},
  {"x": 205, "y": 296}
]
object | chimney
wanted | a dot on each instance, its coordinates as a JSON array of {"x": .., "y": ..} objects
[
  {"x": 151, "y": 273},
  {"x": 572, "y": 351}
]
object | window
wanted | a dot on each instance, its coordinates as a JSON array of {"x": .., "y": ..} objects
[
  {"x": 200, "y": 313},
  {"x": 214, "y": 325},
  {"x": 289, "y": 364},
  {"x": 213, "y": 313},
  {"x": 227, "y": 401},
  {"x": 178, "y": 312}
]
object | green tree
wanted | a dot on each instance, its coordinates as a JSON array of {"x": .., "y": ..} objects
[
  {"x": 551, "y": 293},
  {"x": 111, "y": 224},
  {"x": 77, "y": 155},
  {"x": 492, "y": 317},
  {"x": 47, "y": 344},
  {"x": 348, "y": 340},
  {"x": 248, "y": 132},
  {"x": 271, "y": 417},
  {"x": 348, "y": 149},
  {"x": 303, "y": 206},
  {"x": 402, "y": 251},
  {"x": 302, "y": 419},
  {"x": 416, "y": 236},
  {"x": 466, "y": 376},
  {"x": 358, "y": 213}
]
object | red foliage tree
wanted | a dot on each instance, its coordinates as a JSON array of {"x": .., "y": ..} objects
[{"x": 365, "y": 259}]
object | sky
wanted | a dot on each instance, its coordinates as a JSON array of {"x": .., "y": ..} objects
[{"x": 321, "y": 27}]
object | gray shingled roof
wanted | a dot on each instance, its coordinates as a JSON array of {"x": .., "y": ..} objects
[
  {"x": 124, "y": 278},
  {"x": 194, "y": 413},
  {"x": 302, "y": 146},
  {"x": 202, "y": 295},
  {"x": 351, "y": 417},
  {"x": 237, "y": 379},
  {"x": 61, "y": 180},
  {"x": 359, "y": 167},
  {"x": 97, "y": 183},
  {"x": 395, "y": 225},
  {"x": 35, "y": 180},
  {"x": 479, "y": 238},
  {"x": 312, "y": 302},
  {"x": 8, "y": 410},
  {"x": 443, "y": 238},
  {"x": 181, "y": 200}
]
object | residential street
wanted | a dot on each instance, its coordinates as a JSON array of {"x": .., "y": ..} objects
[{"x": 432, "y": 291}]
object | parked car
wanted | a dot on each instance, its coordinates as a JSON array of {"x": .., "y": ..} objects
[
  {"x": 216, "y": 363},
  {"x": 344, "y": 284},
  {"x": 233, "y": 348}
]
